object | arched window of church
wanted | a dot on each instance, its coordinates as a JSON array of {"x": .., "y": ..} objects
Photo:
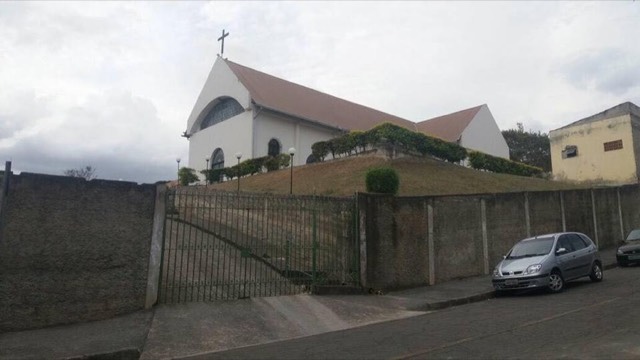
[
  {"x": 217, "y": 159},
  {"x": 226, "y": 108},
  {"x": 274, "y": 147},
  {"x": 311, "y": 159}
]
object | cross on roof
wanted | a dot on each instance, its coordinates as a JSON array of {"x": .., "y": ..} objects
[{"x": 221, "y": 38}]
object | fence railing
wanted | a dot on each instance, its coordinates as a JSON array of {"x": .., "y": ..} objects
[{"x": 227, "y": 245}]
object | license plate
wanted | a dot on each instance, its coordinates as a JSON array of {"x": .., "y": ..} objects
[
  {"x": 634, "y": 257},
  {"x": 511, "y": 282}
]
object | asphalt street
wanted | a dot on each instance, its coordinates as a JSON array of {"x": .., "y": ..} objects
[{"x": 586, "y": 321}]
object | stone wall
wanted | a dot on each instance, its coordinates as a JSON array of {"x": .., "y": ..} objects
[
  {"x": 72, "y": 250},
  {"x": 413, "y": 241}
]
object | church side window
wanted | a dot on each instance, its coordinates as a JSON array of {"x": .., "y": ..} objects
[
  {"x": 311, "y": 159},
  {"x": 274, "y": 147},
  {"x": 223, "y": 110},
  {"x": 217, "y": 159}
]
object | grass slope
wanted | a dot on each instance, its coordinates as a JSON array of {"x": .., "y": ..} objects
[{"x": 418, "y": 176}]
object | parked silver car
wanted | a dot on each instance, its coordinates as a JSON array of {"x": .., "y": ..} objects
[
  {"x": 548, "y": 261},
  {"x": 629, "y": 251}
]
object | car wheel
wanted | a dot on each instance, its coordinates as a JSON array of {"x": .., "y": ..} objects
[
  {"x": 596, "y": 272},
  {"x": 556, "y": 282}
]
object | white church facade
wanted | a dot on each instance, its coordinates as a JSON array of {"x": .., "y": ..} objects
[{"x": 247, "y": 113}]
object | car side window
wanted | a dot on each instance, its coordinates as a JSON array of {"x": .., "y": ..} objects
[
  {"x": 564, "y": 242},
  {"x": 586, "y": 239},
  {"x": 576, "y": 242}
]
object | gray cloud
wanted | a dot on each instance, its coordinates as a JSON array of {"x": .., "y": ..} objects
[
  {"x": 111, "y": 84},
  {"x": 607, "y": 70},
  {"x": 117, "y": 133}
]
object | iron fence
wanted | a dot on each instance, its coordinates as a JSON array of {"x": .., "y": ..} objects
[{"x": 227, "y": 245}]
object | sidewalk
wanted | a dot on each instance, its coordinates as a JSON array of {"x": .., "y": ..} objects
[{"x": 175, "y": 331}]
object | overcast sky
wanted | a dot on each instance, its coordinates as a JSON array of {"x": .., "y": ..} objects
[{"x": 111, "y": 84}]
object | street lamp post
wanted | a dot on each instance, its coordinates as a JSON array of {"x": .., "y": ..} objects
[
  {"x": 238, "y": 156},
  {"x": 178, "y": 161},
  {"x": 206, "y": 175},
  {"x": 292, "y": 152}
]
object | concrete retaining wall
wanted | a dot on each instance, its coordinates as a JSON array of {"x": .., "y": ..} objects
[
  {"x": 398, "y": 255},
  {"x": 426, "y": 240},
  {"x": 73, "y": 250}
]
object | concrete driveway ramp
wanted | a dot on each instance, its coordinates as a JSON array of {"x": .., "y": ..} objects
[{"x": 193, "y": 328}]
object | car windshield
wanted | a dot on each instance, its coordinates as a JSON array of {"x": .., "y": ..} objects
[
  {"x": 529, "y": 248},
  {"x": 634, "y": 235}
]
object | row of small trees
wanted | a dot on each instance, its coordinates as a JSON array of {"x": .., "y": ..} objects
[
  {"x": 354, "y": 142},
  {"x": 388, "y": 134},
  {"x": 247, "y": 167}
]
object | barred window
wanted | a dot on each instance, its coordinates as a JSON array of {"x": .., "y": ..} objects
[
  {"x": 613, "y": 145},
  {"x": 225, "y": 109}
]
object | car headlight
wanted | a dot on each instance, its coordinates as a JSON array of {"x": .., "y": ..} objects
[
  {"x": 620, "y": 251},
  {"x": 496, "y": 272},
  {"x": 532, "y": 269}
]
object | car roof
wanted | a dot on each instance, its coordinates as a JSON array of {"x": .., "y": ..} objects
[
  {"x": 550, "y": 235},
  {"x": 553, "y": 235}
]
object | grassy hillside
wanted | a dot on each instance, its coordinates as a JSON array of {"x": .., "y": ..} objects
[{"x": 418, "y": 176}]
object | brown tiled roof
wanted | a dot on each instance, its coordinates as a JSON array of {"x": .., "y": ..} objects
[
  {"x": 302, "y": 102},
  {"x": 448, "y": 127}
]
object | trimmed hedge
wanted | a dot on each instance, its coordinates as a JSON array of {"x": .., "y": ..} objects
[
  {"x": 393, "y": 135},
  {"x": 481, "y": 161},
  {"x": 411, "y": 141},
  {"x": 247, "y": 167},
  {"x": 382, "y": 180}
]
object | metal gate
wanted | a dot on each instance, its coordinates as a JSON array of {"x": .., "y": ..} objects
[{"x": 226, "y": 245}]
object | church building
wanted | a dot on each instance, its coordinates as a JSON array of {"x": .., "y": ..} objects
[{"x": 243, "y": 113}]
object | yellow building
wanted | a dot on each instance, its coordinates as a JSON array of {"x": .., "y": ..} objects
[{"x": 603, "y": 148}]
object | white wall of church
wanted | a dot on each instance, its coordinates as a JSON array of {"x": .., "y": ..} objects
[
  {"x": 232, "y": 136},
  {"x": 291, "y": 133},
  {"x": 220, "y": 82},
  {"x": 483, "y": 134}
]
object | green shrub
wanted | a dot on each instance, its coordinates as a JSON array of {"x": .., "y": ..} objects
[
  {"x": 382, "y": 180},
  {"x": 283, "y": 160},
  {"x": 359, "y": 140},
  {"x": 481, "y": 161},
  {"x": 320, "y": 150},
  {"x": 212, "y": 175},
  {"x": 186, "y": 176},
  {"x": 271, "y": 163}
]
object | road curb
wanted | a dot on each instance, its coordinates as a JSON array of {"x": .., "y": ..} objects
[
  {"x": 122, "y": 354},
  {"x": 439, "y": 305}
]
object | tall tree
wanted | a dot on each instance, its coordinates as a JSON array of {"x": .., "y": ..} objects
[
  {"x": 528, "y": 147},
  {"x": 87, "y": 173}
]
